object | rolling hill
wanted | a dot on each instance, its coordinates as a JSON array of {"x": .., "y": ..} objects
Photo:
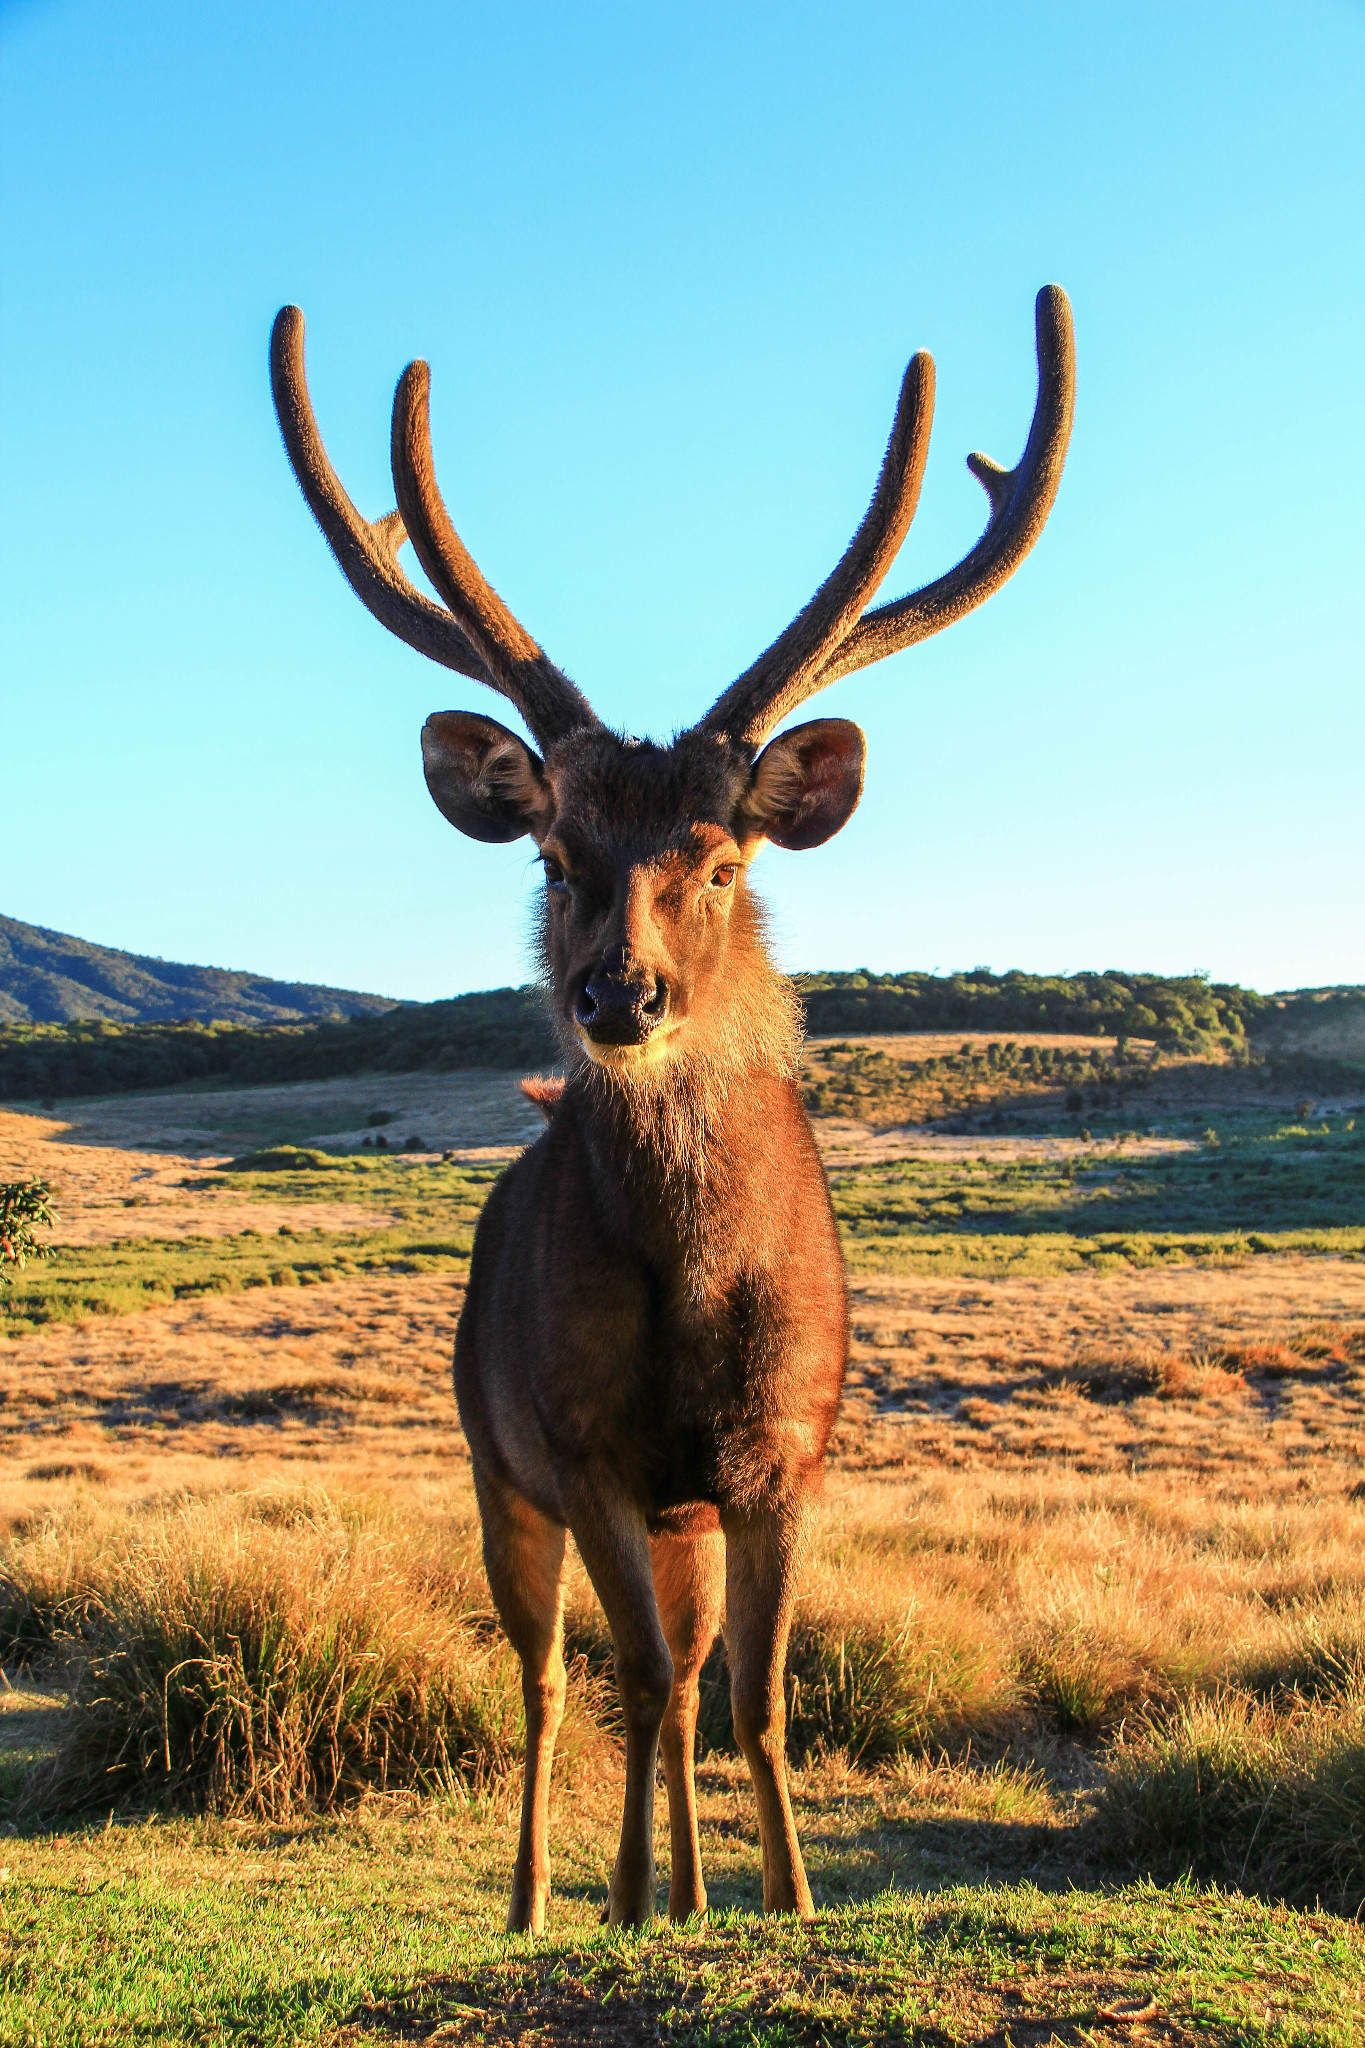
[
  {"x": 78, "y": 1019},
  {"x": 50, "y": 978}
]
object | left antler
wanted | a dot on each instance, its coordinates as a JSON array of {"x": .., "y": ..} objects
[
  {"x": 477, "y": 634},
  {"x": 830, "y": 638}
]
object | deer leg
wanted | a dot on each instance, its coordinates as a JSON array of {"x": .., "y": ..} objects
[
  {"x": 689, "y": 1585},
  {"x": 614, "y": 1546},
  {"x": 524, "y": 1557},
  {"x": 763, "y": 1553}
]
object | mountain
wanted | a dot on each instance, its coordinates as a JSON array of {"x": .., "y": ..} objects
[{"x": 50, "y": 978}]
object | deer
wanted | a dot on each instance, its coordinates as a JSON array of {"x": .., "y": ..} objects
[{"x": 653, "y": 1341}]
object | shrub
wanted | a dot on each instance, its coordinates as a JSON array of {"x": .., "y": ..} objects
[
  {"x": 281, "y": 1159},
  {"x": 1238, "y": 1791},
  {"x": 25, "y": 1206},
  {"x": 264, "y": 1657}
]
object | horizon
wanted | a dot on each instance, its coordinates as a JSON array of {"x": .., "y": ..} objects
[
  {"x": 798, "y": 973},
  {"x": 667, "y": 273}
]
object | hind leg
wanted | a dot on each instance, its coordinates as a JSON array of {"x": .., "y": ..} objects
[
  {"x": 763, "y": 1552},
  {"x": 524, "y": 1556},
  {"x": 689, "y": 1585}
]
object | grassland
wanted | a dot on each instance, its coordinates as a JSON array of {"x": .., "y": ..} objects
[
  {"x": 412, "y": 1221},
  {"x": 1077, "y": 1686},
  {"x": 1097, "y": 1199}
]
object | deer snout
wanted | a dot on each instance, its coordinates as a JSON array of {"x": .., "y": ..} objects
[{"x": 619, "y": 1005}]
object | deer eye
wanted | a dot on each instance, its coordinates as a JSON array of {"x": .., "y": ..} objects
[
  {"x": 555, "y": 878},
  {"x": 724, "y": 875}
]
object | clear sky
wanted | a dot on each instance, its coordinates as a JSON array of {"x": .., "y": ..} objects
[{"x": 667, "y": 263}]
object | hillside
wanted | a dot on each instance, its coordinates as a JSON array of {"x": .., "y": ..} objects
[
  {"x": 1318, "y": 1035},
  {"x": 50, "y": 978}
]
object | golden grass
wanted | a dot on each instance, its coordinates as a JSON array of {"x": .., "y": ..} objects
[
  {"x": 959, "y": 1593},
  {"x": 1061, "y": 1511},
  {"x": 264, "y": 1652}
]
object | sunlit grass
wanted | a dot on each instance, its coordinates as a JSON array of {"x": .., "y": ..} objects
[{"x": 1267, "y": 1187}]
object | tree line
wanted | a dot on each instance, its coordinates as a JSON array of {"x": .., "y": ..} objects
[{"x": 507, "y": 1028}]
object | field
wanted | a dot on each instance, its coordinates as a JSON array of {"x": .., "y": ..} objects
[{"x": 1077, "y": 1687}]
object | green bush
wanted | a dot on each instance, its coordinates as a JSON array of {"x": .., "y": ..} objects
[
  {"x": 503, "y": 1028},
  {"x": 508, "y": 1028},
  {"x": 25, "y": 1206},
  {"x": 1265, "y": 1797}
]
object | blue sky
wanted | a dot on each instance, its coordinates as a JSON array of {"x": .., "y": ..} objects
[{"x": 667, "y": 263}]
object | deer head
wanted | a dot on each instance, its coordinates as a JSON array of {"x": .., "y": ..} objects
[{"x": 648, "y": 923}]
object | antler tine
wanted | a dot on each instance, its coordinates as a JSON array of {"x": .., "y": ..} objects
[
  {"x": 366, "y": 551},
  {"x": 513, "y": 661},
  {"x": 1021, "y": 499},
  {"x": 794, "y": 666}
]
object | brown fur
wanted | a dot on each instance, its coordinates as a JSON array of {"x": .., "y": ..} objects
[{"x": 653, "y": 1343}]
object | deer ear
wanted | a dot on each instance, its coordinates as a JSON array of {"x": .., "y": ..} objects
[
  {"x": 806, "y": 784},
  {"x": 483, "y": 778}
]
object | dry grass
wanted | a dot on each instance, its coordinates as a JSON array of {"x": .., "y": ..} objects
[
  {"x": 264, "y": 1653},
  {"x": 478, "y": 1110},
  {"x": 1060, "y": 1511},
  {"x": 965, "y": 1587}
]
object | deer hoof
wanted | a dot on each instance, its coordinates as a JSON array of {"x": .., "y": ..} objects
[
  {"x": 688, "y": 1908},
  {"x": 526, "y": 1913},
  {"x": 630, "y": 1909}
]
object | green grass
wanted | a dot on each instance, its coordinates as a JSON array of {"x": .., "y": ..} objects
[
  {"x": 428, "y": 1211},
  {"x": 1257, "y": 1185},
  {"x": 385, "y": 1925},
  {"x": 1267, "y": 1186}
]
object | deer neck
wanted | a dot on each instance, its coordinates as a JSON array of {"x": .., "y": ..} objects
[{"x": 679, "y": 1154}]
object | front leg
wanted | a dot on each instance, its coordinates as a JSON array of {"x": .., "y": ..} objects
[
  {"x": 689, "y": 1585},
  {"x": 763, "y": 1556},
  {"x": 524, "y": 1556},
  {"x": 614, "y": 1546}
]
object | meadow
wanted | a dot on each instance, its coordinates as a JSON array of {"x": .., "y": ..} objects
[{"x": 1077, "y": 1684}]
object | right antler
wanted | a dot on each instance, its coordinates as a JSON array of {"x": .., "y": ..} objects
[
  {"x": 478, "y": 636},
  {"x": 829, "y": 639}
]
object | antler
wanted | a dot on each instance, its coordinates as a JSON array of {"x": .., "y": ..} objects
[
  {"x": 792, "y": 668},
  {"x": 516, "y": 665},
  {"x": 478, "y": 635},
  {"x": 1021, "y": 499}
]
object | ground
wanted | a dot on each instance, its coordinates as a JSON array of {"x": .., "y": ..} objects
[{"x": 1101, "y": 1452}]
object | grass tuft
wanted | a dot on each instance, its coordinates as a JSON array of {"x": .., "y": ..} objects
[
  {"x": 1264, "y": 1798},
  {"x": 263, "y": 1662}
]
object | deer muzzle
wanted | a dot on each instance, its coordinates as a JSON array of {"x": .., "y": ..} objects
[{"x": 619, "y": 1007}]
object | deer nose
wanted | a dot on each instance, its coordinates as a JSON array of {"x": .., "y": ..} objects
[{"x": 616, "y": 1006}]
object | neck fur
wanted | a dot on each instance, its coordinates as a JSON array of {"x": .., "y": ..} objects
[{"x": 674, "y": 1127}]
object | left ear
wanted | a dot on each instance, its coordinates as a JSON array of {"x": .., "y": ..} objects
[
  {"x": 806, "y": 784},
  {"x": 484, "y": 779}
]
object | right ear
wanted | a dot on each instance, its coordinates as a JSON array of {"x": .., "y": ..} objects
[
  {"x": 483, "y": 778},
  {"x": 806, "y": 783}
]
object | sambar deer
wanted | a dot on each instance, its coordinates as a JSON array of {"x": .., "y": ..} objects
[{"x": 653, "y": 1342}]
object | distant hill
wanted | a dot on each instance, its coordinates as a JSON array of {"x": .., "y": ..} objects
[
  {"x": 51, "y": 978},
  {"x": 1319, "y": 1032}
]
